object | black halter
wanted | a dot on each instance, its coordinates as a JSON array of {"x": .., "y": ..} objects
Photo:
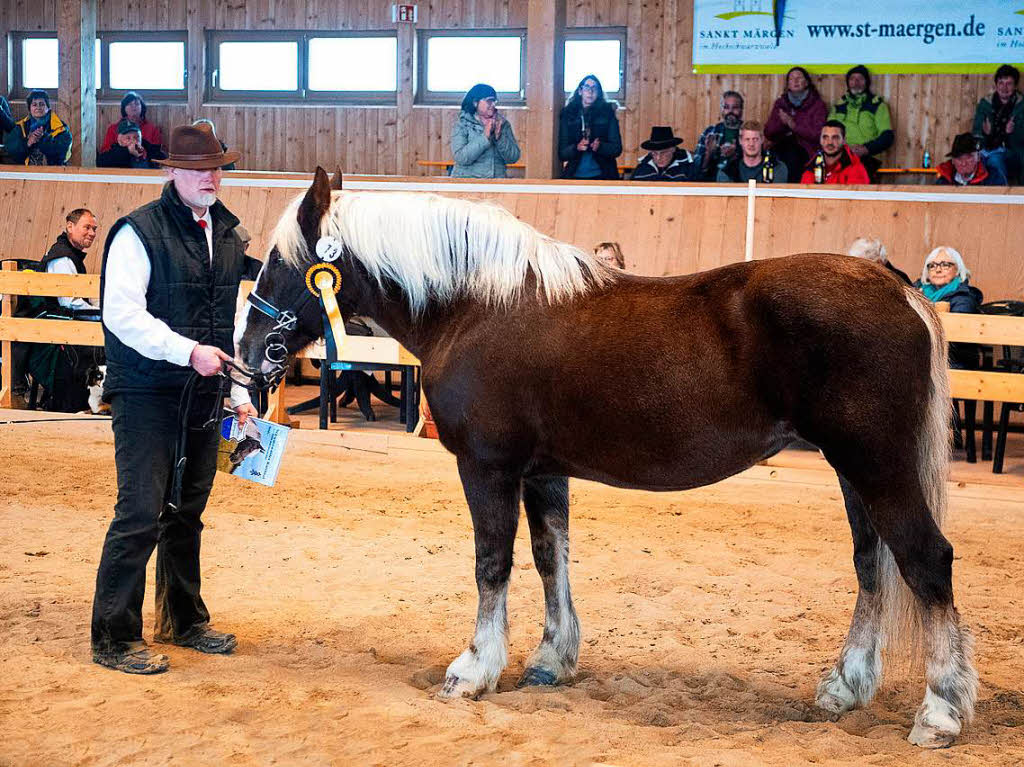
[{"x": 275, "y": 351}]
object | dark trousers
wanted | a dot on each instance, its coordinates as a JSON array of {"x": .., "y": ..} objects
[{"x": 145, "y": 432}]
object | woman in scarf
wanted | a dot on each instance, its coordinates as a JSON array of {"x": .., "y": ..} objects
[
  {"x": 945, "y": 278},
  {"x": 588, "y": 133},
  {"x": 794, "y": 125},
  {"x": 41, "y": 138}
]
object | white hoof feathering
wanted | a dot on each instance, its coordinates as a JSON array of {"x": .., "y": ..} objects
[
  {"x": 834, "y": 695},
  {"x": 937, "y": 723},
  {"x": 472, "y": 674}
]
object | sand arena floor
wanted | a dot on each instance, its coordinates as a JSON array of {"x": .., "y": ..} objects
[{"x": 707, "y": 617}]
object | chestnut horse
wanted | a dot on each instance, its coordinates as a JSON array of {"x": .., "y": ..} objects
[{"x": 519, "y": 334}]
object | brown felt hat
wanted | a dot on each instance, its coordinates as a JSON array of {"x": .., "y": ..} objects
[{"x": 194, "y": 147}]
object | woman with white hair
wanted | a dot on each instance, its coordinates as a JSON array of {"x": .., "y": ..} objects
[
  {"x": 944, "y": 277},
  {"x": 872, "y": 249}
]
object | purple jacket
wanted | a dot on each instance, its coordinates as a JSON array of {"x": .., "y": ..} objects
[{"x": 809, "y": 117}]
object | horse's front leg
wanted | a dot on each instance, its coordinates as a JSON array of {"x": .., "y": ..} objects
[
  {"x": 493, "y": 497},
  {"x": 547, "y": 509}
]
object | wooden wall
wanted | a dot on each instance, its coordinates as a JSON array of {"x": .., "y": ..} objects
[
  {"x": 661, "y": 88},
  {"x": 660, "y": 234}
]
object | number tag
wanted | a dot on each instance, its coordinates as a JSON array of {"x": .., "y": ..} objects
[{"x": 328, "y": 249}]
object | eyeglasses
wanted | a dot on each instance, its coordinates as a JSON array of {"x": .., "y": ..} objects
[
  {"x": 940, "y": 265},
  {"x": 588, "y": 87}
]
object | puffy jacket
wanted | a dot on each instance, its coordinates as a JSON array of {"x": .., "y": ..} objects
[
  {"x": 55, "y": 143},
  {"x": 478, "y": 156},
  {"x": 849, "y": 170},
  {"x": 946, "y": 174},
  {"x": 603, "y": 125},
  {"x": 1014, "y": 141},
  {"x": 867, "y": 121}
]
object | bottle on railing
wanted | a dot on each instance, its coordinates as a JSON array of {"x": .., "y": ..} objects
[
  {"x": 768, "y": 168},
  {"x": 819, "y": 168},
  {"x": 926, "y": 161}
]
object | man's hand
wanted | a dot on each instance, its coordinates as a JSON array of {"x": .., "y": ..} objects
[
  {"x": 728, "y": 150},
  {"x": 710, "y": 147},
  {"x": 986, "y": 127},
  {"x": 242, "y": 412},
  {"x": 859, "y": 149},
  {"x": 207, "y": 360},
  {"x": 136, "y": 150}
]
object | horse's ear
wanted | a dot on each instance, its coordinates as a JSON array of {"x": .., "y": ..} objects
[
  {"x": 315, "y": 204},
  {"x": 336, "y": 181}
]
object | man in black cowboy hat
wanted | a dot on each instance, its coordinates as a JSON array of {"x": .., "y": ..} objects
[
  {"x": 665, "y": 160},
  {"x": 171, "y": 271},
  {"x": 967, "y": 168}
]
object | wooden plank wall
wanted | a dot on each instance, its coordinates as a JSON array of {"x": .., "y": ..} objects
[
  {"x": 661, "y": 88},
  {"x": 660, "y": 235}
]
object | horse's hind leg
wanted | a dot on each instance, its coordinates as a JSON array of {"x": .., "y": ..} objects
[
  {"x": 547, "y": 509},
  {"x": 493, "y": 498},
  {"x": 854, "y": 679}
]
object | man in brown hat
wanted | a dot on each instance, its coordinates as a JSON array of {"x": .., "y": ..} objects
[{"x": 170, "y": 279}]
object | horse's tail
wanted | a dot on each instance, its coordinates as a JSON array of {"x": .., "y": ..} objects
[{"x": 901, "y": 611}]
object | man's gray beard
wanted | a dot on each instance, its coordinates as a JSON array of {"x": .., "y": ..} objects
[
  {"x": 732, "y": 121},
  {"x": 205, "y": 200}
]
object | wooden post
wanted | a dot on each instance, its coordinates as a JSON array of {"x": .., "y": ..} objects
[
  {"x": 76, "y": 84},
  {"x": 544, "y": 89},
  {"x": 7, "y": 349},
  {"x": 405, "y": 144},
  {"x": 748, "y": 254},
  {"x": 195, "y": 66}
]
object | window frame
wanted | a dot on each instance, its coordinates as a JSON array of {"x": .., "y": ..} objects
[
  {"x": 104, "y": 93},
  {"x": 600, "y": 33},
  {"x": 302, "y": 94},
  {"x": 447, "y": 98}
]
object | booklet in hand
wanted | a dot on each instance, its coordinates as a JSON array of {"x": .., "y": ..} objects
[{"x": 252, "y": 451}]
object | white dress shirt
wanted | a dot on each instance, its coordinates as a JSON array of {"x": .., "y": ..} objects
[
  {"x": 67, "y": 266},
  {"x": 124, "y": 304}
]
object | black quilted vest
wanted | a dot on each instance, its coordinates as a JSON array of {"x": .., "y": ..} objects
[{"x": 195, "y": 299}]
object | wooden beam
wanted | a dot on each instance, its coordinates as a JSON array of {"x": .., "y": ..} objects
[
  {"x": 986, "y": 385},
  {"x": 405, "y": 145},
  {"x": 76, "y": 84},
  {"x": 56, "y": 285},
  {"x": 984, "y": 328},
  {"x": 6, "y": 350},
  {"x": 544, "y": 95},
  {"x": 75, "y": 332}
]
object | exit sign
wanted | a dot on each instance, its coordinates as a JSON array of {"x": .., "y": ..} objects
[{"x": 403, "y": 13}]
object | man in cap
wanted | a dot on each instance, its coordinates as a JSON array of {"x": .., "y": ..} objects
[
  {"x": 130, "y": 150},
  {"x": 866, "y": 119},
  {"x": 665, "y": 160},
  {"x": 966, "y": 166},
  {"x": 171, "y": 271}
]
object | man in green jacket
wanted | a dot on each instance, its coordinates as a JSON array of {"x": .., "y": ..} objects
[
  {"x": 867, "y": 120},
  {"x": 999, "y": 124}
]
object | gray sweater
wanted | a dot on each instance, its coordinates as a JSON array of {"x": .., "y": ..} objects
[{"x": 480, "y": 157}]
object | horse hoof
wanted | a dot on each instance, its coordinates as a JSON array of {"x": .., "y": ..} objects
[
  {"x": 537, "y": 677},
  {"x": 456, "y": 687},
  {"x": 928, "y": 736},
  {"x": 833, "y": 704}
]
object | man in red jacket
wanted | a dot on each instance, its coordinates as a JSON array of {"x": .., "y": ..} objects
[{"x": 839, "y": 164}]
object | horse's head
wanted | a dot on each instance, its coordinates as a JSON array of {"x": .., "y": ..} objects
[{"x": 283, "y": 315}]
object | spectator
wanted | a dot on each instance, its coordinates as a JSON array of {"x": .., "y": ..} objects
[
  {"x": 753, "y": 162},
  {"x": 6, "y": 118},
  {"x": 717, "y": 143},
  {"x": 133, "y": 107},
  {"x": 41, "y": 138},
  {"x": 588, "y": 133},
  {"x": 610, "y": 254},
  {"x": 482, "y": 139},
  {"x": 999, "y": 125},
  {"x": 867, "y": 120},
  {"x": 131, "y": 150},
  {"x": 67, "y": 255},
  {"x": 665, "y": 160},
  {"x": 213, "y": 129},
  {"x": 945, "y": 278},
  {"x": 838, "y": 164},
  {"x": 794, "y": 125},
  {"x": 873, "y": 250},
  {"x": 966, "y": 168}
]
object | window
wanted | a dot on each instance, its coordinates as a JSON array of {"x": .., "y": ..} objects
[
  {"x": 450, "y": 63},
  {"x": 600, "y": 52},
  {"x": 152, "y": 63},
  {"x": 350, "y": 67},
  {"x": 37, "y": 64}
]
